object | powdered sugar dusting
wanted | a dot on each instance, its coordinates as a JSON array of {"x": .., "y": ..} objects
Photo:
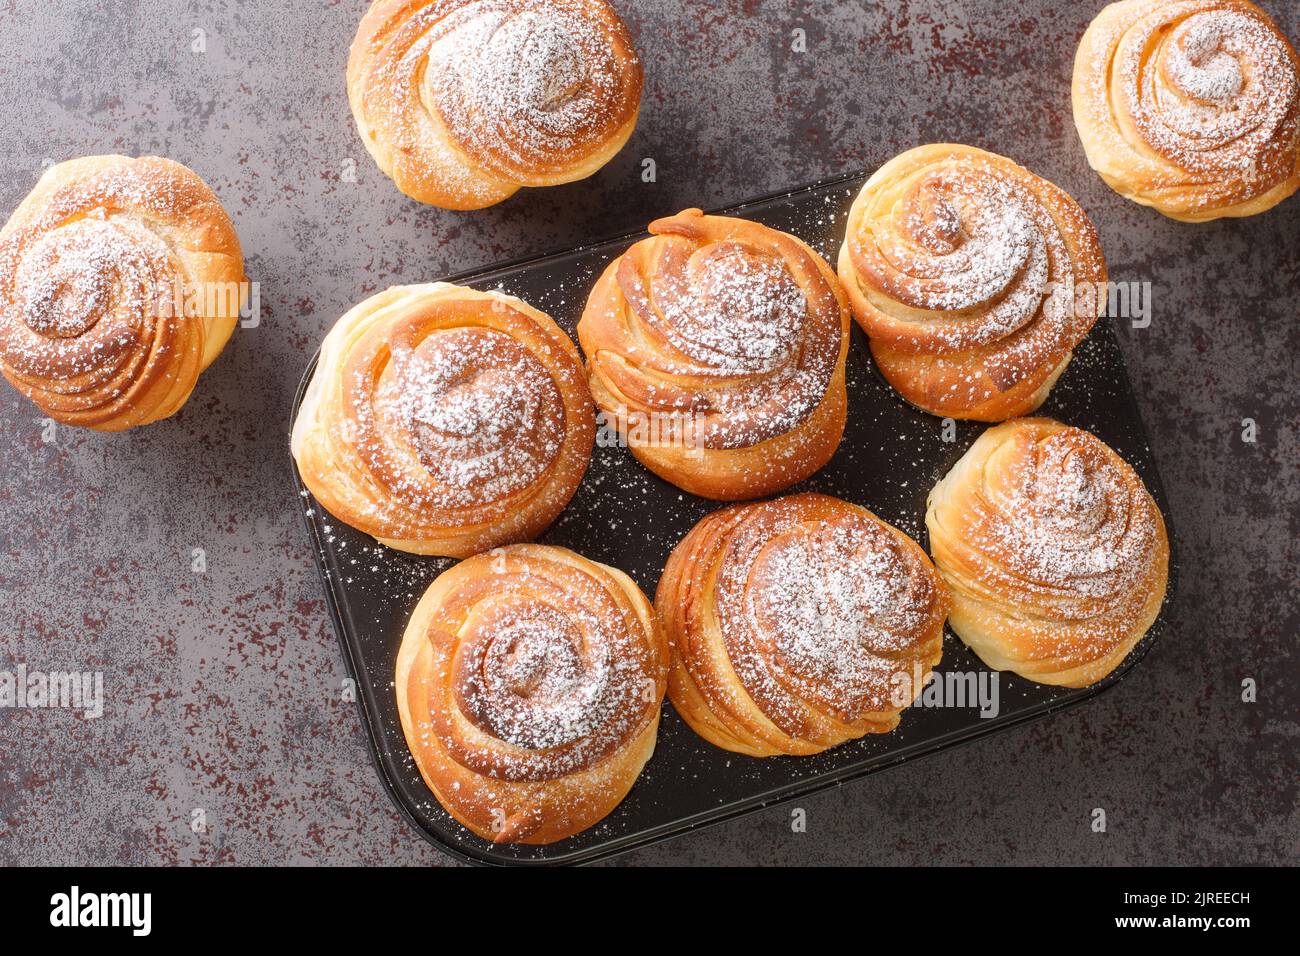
[
  {"x": 520, "y": 87},
  {"x": 1200, "y": 66},
  {"x": 86, "y": 295},
  {"x": 739, "y": 328},
  {"x": 444, "y": 420},
  {"x": 93, "y": 283},
  {"x": 1224, "y": 88},
  {"x": 838, "y": 608},
  {"x": 534, "y": 684},
  {"x": 482, "y": 412},
  {"x": 1214, "y": 90},
  {"x": 969, "y": 242},
  {"x": 973, "y": 277},
  {"x": 548, "y": 666},
  {"x": 524, "y": 84},
  {"x": 734, "y": 312},
  {"x": 823, "y": 610},
  {"x": 1071, "y": 520}
]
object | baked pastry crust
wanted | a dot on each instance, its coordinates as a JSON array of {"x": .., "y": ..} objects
[
  {"x": 973, "y": 278},
  {"x": 442, "y": 420},
  {"x": 717, "y": 347},
  {"x": 798, "y": 624},
  {"x": 529, "y": 682},
  {"x": 1055, "y": 553},
  {"x": 1191, "y": 107},
  {"x": 462, "y": 102},
  {"x": 120, "y": 281}
]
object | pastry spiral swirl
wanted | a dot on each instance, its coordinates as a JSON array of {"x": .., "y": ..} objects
[
  {"x": 445, "y": 421},
  {"x": 729, "y": 339},
  {"x": 1055, "y": 553},
  {"x": 529, "y": 682},
  {"x": 1190, "y": 106},
  {"x": 973, "y": 278},
  {"x": 462, "y": 102},
  {"x": 120, "y": 281},
  {"x": 798, "y": 624}
]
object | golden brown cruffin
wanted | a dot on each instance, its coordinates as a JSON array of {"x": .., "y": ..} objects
[
  {"x": 462, "y": 102},
  {"x": 1054, "y": 551},
  {"x": 529, "y": 682},
  {"x": 798, "y": 624},
  {"x": 120, "y": 281},
  {"x": 717, "y": 346},
  {"x": 445, "y": 421},
  {"x": 1191, "y": 107},
  {"x": 973, "y": 278}
]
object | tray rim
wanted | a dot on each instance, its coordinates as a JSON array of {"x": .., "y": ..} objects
[{"x": 787, "y": 792}]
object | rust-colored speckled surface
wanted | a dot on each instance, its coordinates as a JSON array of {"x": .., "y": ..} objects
[{"x": 222, "y": 688}]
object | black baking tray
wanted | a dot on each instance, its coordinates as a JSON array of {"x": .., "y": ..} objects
[{"x": 624, "y": 516}]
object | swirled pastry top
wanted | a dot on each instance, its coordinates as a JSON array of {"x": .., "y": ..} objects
[
  {"x": 817, "y": 604},
  {"x": 439, "y": 415},
  {"x": 953, "y": 249},
  {"x": 529, "y": 682},
  {"x": 1049, "y": 527},
  {"x": 545, "y": 665},
  {"x": 464, "y": 101},
  {"x": 739, "y": 325},
  {"x": 120, "y": 281},
  {"x": 1192, "y": 106}
]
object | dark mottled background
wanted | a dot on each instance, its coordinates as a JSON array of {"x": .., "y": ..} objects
[{"x": 223, "y": 687}]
